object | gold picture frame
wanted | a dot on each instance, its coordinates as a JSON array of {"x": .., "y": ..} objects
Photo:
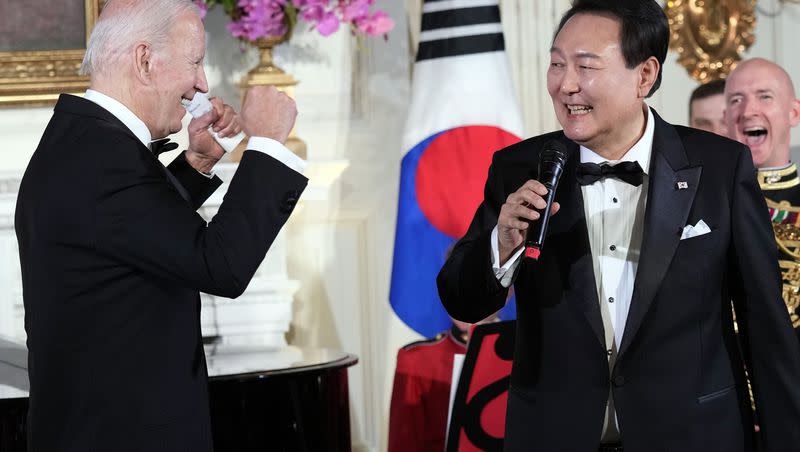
[{"x": 37, "y": 77}]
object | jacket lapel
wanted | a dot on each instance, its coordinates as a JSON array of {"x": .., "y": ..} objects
[
  {"x": 574, "y": 253},
  {"x": 665, "y": 216}
]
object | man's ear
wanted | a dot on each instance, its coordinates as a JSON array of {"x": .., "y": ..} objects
[
  {"x": 794, "y": 113},
  {"x": 143, "y": 62},
  {"x": 648, "y": 73}
]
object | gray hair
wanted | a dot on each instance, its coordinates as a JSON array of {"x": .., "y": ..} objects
[{"x": 124, "y": 23}]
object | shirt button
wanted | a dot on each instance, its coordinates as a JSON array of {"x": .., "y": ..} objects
[
  {"x": 614, "y": 199},
  {"x": 612, "y": 247},
  {"x": 610, "y": 299}
]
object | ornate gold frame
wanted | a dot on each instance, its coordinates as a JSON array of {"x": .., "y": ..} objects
[
  {"x": 710, "y": 35},
  {"x": 38, "y": 77}
]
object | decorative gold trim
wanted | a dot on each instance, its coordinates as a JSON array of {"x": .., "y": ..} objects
[
  {"x": 790, "y": 273},
  {"x": 787, "y": 235},
  {"x": 772, "y": 181},
  {"x": 779, "y": 185},
  {"x": 792, "y": 168},
  {"x": 36, "y": 78},
  {"x": 710, "y": 35},
  {"x": 776, "y": 179},
  {"x": 782, "y": 205}
]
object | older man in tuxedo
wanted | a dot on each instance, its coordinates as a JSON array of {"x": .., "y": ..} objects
[
  {"x": 625, "y": 338},
  {"x": 113, "y": 253}
]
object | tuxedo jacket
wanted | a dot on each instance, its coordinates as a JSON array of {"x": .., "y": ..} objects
[
  {"x": 678, "y": 381},
  {"x": 113, "y": 255}
]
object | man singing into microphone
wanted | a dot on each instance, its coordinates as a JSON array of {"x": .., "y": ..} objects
[{"x": 625, "y": 337}]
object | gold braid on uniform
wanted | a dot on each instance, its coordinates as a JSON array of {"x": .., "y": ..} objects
[
  {"x": 786, "y": 225},
  {"x": 778, "y": 179}
]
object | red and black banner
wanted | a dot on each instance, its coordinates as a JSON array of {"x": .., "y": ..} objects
[{"x": 479, "y": 408}]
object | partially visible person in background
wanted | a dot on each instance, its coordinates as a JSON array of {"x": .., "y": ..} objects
[
  {"x": 421, "y": 390},
  {"x": 761, "y": 110},
  {"x": 707, "y": 108}
]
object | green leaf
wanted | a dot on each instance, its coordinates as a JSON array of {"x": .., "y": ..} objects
[
  {"x": 291, "y": 16},
  {"x": 231, "y": 8}
]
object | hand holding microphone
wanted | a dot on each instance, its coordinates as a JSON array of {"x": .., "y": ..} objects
[{"x": 519, "y": 223}]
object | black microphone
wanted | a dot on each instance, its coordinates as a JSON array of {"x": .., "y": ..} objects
[{"x": 551, "y": 165}]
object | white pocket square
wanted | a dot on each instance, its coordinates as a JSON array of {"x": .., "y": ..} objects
[{"x": 699, "y": 229}]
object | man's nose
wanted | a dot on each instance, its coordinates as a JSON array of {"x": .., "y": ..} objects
[
  {"x": 202, "y": 82},
  {"x": 569, "y": 82},
  {"x": 749, "y": 108}
]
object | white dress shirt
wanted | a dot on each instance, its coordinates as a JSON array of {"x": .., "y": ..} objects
[
  {"x": 615, "y": 221},
  {"x": 268, "y": 146}
]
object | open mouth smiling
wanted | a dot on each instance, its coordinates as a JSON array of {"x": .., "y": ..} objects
[
  {"x": 754, "y": 135},
  {"x": 579, "y": 109}
]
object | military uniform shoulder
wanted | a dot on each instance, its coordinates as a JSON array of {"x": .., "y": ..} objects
[
  {"x": 780, "y": 184},
  {"x": 425, "y": 342}
]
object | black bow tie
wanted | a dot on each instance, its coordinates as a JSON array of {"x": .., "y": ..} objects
[
  {"x": 630, "y": 172},
  {"x": 162, "y": 145}
]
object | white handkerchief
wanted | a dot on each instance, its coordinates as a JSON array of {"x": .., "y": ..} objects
[{"x": 690, "y": 231}]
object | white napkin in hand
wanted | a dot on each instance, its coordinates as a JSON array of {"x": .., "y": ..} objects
[
  {"x": 200, "y": 105},
  {"x": 690, "y": 231}
]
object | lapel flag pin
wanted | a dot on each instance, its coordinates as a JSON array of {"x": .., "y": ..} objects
[{"x": 682, "y": 185}]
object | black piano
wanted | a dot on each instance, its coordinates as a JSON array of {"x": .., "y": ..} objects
[{"x": 246, "y": 385}]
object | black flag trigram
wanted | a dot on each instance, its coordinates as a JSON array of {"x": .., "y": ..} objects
[{"x": 459, "y": 27}]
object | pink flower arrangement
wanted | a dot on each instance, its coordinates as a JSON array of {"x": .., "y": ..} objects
[{"x": 254, "y": 19}]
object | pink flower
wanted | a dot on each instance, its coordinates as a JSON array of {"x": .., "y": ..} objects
[
  {"x": 378, "y": 24},
  {"x": 355, "y": 9},
  {"x": 265, "y": 18},
  {"x": 260, "y": 19},
  {"x": 201, "y": 5},
  {"x": 328, "y": 25},
  {"x": 312, "y": 13}
]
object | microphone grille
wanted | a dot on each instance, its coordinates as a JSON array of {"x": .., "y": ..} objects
[{"x": 554, "y": 151}]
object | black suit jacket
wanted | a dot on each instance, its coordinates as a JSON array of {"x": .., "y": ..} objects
[
  {"x": 678, "y": 382},
  {"x": 112, "y": 261}
]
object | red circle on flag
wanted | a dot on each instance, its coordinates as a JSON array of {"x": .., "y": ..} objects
[{"x": 452, "y": 173}]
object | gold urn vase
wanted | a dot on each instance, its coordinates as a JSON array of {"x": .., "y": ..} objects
[{"x": 267, "y": 73}]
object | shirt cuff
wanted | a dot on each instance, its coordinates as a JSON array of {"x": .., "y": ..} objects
[
  {"x": 505, "y": 272},
  {"x": 278, "y": 151},
  {"x": 206, "y": 175}
]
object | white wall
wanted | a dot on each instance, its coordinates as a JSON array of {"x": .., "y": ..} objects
[{"x": 352, "y": 101}]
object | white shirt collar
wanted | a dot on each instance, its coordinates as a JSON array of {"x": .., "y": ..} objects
[
  {"x": 121, "y": 112},
  {"x": 640, "y": 152}
]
